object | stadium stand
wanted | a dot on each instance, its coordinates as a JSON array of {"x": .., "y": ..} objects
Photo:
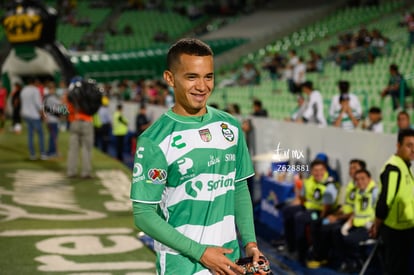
[{"x": 367, "y": 80}]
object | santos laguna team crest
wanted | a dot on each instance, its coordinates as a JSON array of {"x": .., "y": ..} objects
[{"x": 227, "y": 132}]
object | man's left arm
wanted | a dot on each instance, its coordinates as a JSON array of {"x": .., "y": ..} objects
[{"x": 245, "y": 221}]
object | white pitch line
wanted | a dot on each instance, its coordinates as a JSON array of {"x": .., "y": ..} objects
[{"x": 57, "y": 232}]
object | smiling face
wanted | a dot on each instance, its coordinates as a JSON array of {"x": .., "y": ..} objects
[
  {"x": 318, "y": 172},
  {"x": 362, "y": 180},
  {"x": 193, "y": 81}
]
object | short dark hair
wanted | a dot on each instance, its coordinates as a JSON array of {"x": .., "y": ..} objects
[
  {"x": 307, "y": 84},
  {"x": 343, "y": 86},
  {"x": 318, "y": 162},
  {"x": 257, "y": 103},
  {"x": 363, "y": 170},
  {"x": 374, "y": 110},
  {"x": 394, "y": 67},
  {"x": 404, "y": 133},
  {"x": 236, "y": 108},
  {"x": 403, "y": 113},
  {"x": 361, "y": 163},
  {"x": 190, "y": 46}
]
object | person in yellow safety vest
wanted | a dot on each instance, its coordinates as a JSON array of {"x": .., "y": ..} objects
[
  {"x": 102, "y": 124},
  {"x": 322, "y": 249},
  {"x": 394, "y": 213},
  {"x": 318, "y": 197},
  {"x": 356, "y": 228},
  {"x": 119, "y": 130}
]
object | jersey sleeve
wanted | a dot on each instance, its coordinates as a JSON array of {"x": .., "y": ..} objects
[
  {"x": 149, "y": 174},
  {"x": 244, "y": 166}
]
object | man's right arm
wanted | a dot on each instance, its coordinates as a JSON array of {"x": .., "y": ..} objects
[
  {"x": 147, "y": 219},
  {"x": 389, "y": 179}
]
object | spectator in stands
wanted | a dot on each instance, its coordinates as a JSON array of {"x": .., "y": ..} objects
[
  {"x": 249, "y": 75},
  {"x": 161, "y": 36},
  {"x": 297, "y": 114},
  {"x": 318, "y": 200},
  {"x": 229, "y": 81},
  {"x": 138, "y": 91},
  {"x": 128, "y": 30},
  {"x": 374, "y": 123},
  {"x": 394, "y": 88},
  {"x": 356, "y": 228},
  {"x": 403, "y": 121},
  {"x": 233, "y": 109},
  {"x": 346, "y": 118},
  {"x": 124, "y": 91},
  {"x": 142, "y": 121},
  {"x": 167, "y": 95},
  {"x": 292, "y": 62},
  {"x": 273, "y": 64},
  {"x": 336, "y": 106},
  {"x": 151, "y": 93},
  {"x": 119, "y": 130},
  {"x": 410, "y": 28},
  {"x": 315, "y": 63},
  {"x": 314, "y": 106},
  {"x": 299, "y": 74},
  {"x": 378, "y": 44},
  {"x": 32, "y": 113},
  {"x": 344, "y": 59},
  {"x": 394, "y": 214},
  {"x": 258, "y": 109}
]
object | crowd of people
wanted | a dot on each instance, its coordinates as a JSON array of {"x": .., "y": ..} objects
[
  {"x": 42, "y": 105},
  {"x": 312, "y": 223},
  {"x": 320, "y": 231},
  {"x": 345, "y": 110}
]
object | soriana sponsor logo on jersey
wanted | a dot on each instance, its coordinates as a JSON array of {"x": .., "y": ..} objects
[{"x": 157, "y": 176}]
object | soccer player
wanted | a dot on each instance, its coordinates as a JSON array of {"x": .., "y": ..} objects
[{"x": 189, "y": 187}]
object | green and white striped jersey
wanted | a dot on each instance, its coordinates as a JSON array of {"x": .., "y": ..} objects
[{"x": 191, "y": 166}]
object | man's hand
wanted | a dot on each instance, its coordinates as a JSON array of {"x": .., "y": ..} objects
[
  {"x": 332, "y": 218},
  {"x": 253, "y": 251},
  {"x": 214, "y": 259},
  {"x": 373, "y": 231}
]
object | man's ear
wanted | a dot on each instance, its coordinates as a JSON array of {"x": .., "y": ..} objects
[{"x": 169, "y": 78}]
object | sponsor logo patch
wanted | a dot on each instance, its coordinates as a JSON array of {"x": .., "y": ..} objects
[
  {"x": 137, "y": 171},
  {"x": 157, "y": 176},
  {"x": 205, "y": 135}
]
